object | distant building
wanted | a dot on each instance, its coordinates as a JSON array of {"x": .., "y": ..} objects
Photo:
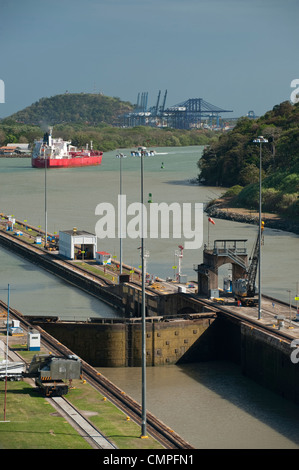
[
  {"x": 7, "y": 150},
  {"x": 20, "y": 148},
  {"x": 12, "y": 149}
]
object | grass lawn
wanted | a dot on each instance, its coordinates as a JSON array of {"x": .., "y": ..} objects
[
  {"x": 109, "y": 420},
  {"x": 32, "y": 423}
]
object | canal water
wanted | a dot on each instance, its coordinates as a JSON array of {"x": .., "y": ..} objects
[{"x": 211, "y": 405}]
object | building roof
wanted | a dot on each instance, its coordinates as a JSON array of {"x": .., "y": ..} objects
[
  {"x": 77, "y": 233},
  {"x": 103, "y": 253},
  {"x": 15, "y": 148},
  {"x": 20, "y": 146}
]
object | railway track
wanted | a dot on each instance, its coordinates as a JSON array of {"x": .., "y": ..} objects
[
  {"x": 76, "y": 419},
  {"x": 158, "y": 430},
  {"x": 162, "y": 433},
  {"x": 251, "y": 321},
  {"x": 155, "y": 428},
  {"x": 54, "y": 259},
  {"x": 39, "y": 250},
  {"x": 81, "y": 424}
]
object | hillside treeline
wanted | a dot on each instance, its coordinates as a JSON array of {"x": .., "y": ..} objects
[
  {"x": 84, "y": 117},
  {"x": 105, "y": 137},
  {"x": 73, "y": 108},
  {"x": 233, "y": 161}
]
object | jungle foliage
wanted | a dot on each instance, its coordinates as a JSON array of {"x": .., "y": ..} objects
[
  {"x": 233, "y": 161},
  {"x": 84, "y": 108}
]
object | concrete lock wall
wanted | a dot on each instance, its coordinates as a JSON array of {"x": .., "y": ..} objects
[
  {"x": 49, "y": 263},
  {"x": 126, "y": 299},
  {"x": 267, "y": 360},
  {"x": 171, "y": 304},
  {"x": 120, "y": 344},
  {"x": 263, "y": 357},
  {"x": 167, "y": 342},
  {"x": 97, "y": 344}
]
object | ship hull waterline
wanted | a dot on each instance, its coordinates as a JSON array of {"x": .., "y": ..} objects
[{"x": 67, "y": 162}]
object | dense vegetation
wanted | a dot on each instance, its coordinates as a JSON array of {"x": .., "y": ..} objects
[
  {"x": 233, "y": 161},
  {"x": 73, "y": 108},
  {"x": 106, "y": 137},
  {"x": 84, "y": 117}
]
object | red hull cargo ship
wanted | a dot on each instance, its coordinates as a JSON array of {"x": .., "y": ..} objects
[{"x": 58, "y": 153}]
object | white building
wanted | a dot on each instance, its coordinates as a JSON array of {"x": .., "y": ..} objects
[
  {"x": 77, "y": 244},
  {"x": 102, "y": 257},
  {"x": 33, "y": 340},
  {"x": 20, "y": 148}
]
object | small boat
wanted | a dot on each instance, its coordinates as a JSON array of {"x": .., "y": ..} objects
[{"x": 142, "y": 151}]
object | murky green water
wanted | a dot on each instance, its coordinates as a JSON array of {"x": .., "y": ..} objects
[{"x": 211, "y": 405}]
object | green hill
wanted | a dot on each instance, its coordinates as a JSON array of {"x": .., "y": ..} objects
[
  {"x": 84, "y": 117},
  {"x": 233, "y": 161},
  {"x": 73, "y": 108}
]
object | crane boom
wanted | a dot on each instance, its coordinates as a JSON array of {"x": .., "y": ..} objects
[
  {"x": 244, "y": 289},
  {"x": 252, "y": 271},
  {"x": 157, "y": 105},
  {"x": 163, "y": 104}
]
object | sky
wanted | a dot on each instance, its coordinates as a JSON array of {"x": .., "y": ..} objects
[{"x": 239, "y": 55}]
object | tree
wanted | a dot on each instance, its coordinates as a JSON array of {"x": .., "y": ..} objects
[{"x": 2, "y": 137}]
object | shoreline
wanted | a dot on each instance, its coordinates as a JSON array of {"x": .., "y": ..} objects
[
  {"x": 16, "y": 156},
  {"x": 221, "y": 210}
]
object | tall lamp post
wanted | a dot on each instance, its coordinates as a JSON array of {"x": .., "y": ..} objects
[
  {"x": 6, "y": 364},
  {"x": 143, "y": 359},
  {"x": 290, "y": 307},
  {"x": 46, "y": 215},
  {"x": 120, "y": 156},
  {"x": 260, "y": 140}
]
